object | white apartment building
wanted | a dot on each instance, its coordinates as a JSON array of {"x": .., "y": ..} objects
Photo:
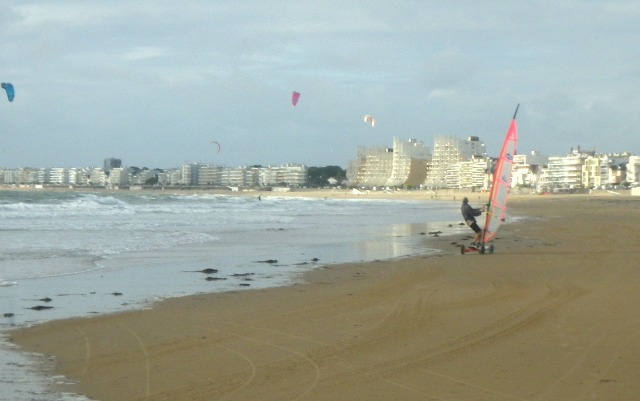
[
  {"x": 52, "y": 176},
  {"x": 78, "y": 176},
  {"x": 409, "y": 163},
  {"x": 209, "y": 175},
  {"x": 59, "y": 176},
  {"x": 189, "y": 174},
  {"x": 118, "y": 177},
  {"x": 565, "y": 172},
  {"x": 294, "y": 175},
  {"x": 174, "y": 177},
  {"x": 233, "y": 177},
  {"x": 372, "y": 167},
  {"x": 97, "y": 177},
  {"x": 404, "y": 164},
  {"x": 12, "y": 176},
  {"x": 145, "y": 175},
  {"x": 164, "y": 178},
  {"x": 448, "y": 151},
  {"x": 527, "y": 169},
  {"x": 633, "y": 171},
  {"x": 586, "y": 170},
  {"x": 42, "y": 176},
  {"x": 470, "y": 174}
]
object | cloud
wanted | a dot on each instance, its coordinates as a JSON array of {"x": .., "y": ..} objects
[
  {"x": 441, "y": 93},
  {"x": 143, "y": 53},
  {"x": 164, "y": 75}
]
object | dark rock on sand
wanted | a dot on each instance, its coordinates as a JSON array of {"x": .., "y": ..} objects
[
  {"x": 215, "y": 278},
  {"x": 205, "y": 271},
  {"x": 41, "y": 307}
]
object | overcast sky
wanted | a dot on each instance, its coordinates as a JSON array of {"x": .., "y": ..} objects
[{"x": 153, "y": 82}]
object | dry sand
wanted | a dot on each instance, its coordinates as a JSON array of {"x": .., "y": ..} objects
[{"x": 551, "y": 315}]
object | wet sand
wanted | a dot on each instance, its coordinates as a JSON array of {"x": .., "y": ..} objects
[{"x": 551, "y": 315}]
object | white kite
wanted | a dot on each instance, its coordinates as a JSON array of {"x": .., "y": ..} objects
[{"x": 370, "y": 120}]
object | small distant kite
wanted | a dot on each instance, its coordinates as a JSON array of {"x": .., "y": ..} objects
[
  {"x": 9, "y": 89},
  {"x": 370, "y": 120},
  {"x": 295, "y": 96},
  {"x": 217, "y": 144}
]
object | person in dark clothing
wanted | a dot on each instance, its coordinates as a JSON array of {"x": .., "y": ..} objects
[{"x": 469, "y": 215}]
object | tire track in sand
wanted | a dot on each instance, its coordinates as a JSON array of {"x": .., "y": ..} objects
[
  {"x": 513, "y": 322},
  {"x": 251, "y": 365},
  {"x": 307, "y": 339},
  {"x": 143, "y": 347},
  {"x": 312, "y": 363}
]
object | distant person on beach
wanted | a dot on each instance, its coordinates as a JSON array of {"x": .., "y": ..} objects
[{"x": 469, "y": 215}]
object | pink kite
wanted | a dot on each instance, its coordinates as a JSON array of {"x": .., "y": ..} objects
[{"x": 294, "y": 98}]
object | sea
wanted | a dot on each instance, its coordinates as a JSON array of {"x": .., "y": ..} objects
[{"x": 76, "y": 254}]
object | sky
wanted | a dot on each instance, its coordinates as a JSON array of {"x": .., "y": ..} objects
[{"x": 155, "y": 82}]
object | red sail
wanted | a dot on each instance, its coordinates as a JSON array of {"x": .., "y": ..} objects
[{"x": 497, "y": 205}]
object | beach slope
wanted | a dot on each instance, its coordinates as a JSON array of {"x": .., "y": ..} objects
[{"x": 551, "y": 315}]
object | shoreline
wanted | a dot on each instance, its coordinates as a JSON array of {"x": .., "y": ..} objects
[
  {"x": 393, "y": 306},
  {"x": 334, "y": 193}
]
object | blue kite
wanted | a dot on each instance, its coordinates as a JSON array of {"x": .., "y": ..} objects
[{"x": 10, "y": 91}]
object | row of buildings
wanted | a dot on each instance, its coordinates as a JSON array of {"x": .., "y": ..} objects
[
  {"x": 464, "y": 164},
  {"x": 113, "y": 175},
  {"x": 454, "y": 163}
]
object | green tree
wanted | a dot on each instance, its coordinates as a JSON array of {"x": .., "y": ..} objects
[{"x": 319, "y": 176}]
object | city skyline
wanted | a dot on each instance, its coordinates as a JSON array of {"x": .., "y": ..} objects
[
  {"x": 455, "y": 163},
  {"x": 130, "y": 79},
  {"x": 100, "y": 163}
]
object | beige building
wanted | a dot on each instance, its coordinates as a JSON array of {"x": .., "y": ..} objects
[
  {"x": 403, "y": 164},
  {"x": 372, "y": 168},
  {"x": 409, "y": 164}
]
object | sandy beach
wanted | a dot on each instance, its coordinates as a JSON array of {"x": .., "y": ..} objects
[{"x": 551, "y": 315}]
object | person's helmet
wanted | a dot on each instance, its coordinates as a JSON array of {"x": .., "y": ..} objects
[{"x": 465, "y": 200}]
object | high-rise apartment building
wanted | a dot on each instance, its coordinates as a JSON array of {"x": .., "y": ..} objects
[
  {"x": 372, "y": 167},
  {"x": 409, "y": 164},
  {"x": 448, "y": 151},
  {"x": 404, "y": 164}
]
